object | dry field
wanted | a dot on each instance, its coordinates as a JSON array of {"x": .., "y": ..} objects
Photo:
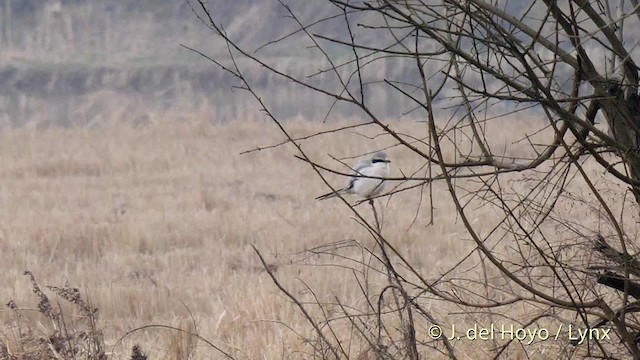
[{"x": 155, "y": 226}]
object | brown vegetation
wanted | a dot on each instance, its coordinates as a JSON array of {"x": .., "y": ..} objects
[{"x": 155, "y": 226}]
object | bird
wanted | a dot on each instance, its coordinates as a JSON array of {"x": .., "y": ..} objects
[{"x": 368, "y": 187}]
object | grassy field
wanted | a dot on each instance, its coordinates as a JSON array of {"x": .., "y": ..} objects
[{"x": 155, "y": 226}]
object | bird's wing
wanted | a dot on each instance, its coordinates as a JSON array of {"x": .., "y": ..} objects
[{"x": 357, "y": 169}]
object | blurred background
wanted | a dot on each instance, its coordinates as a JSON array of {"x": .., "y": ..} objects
[{"x": 94, "y": 63}]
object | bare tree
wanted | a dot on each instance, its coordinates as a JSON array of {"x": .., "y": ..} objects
[{"x": 542, "y": 264}]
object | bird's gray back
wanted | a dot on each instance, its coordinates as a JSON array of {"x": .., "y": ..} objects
[{"x": 361, "y": 165}]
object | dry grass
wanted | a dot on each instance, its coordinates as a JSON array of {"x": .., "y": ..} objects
[{"x": 154, "y": 225}]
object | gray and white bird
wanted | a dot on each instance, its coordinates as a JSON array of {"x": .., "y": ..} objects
[{"x": 377, "y": 167}]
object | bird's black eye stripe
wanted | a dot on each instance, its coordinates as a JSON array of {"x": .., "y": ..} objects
[{"x": 378, "y": 160}]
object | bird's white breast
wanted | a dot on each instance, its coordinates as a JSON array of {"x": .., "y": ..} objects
[{"x": 367, "y": 187}]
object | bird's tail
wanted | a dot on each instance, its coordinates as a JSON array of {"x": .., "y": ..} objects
[{"x": 330, "y": 195}]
